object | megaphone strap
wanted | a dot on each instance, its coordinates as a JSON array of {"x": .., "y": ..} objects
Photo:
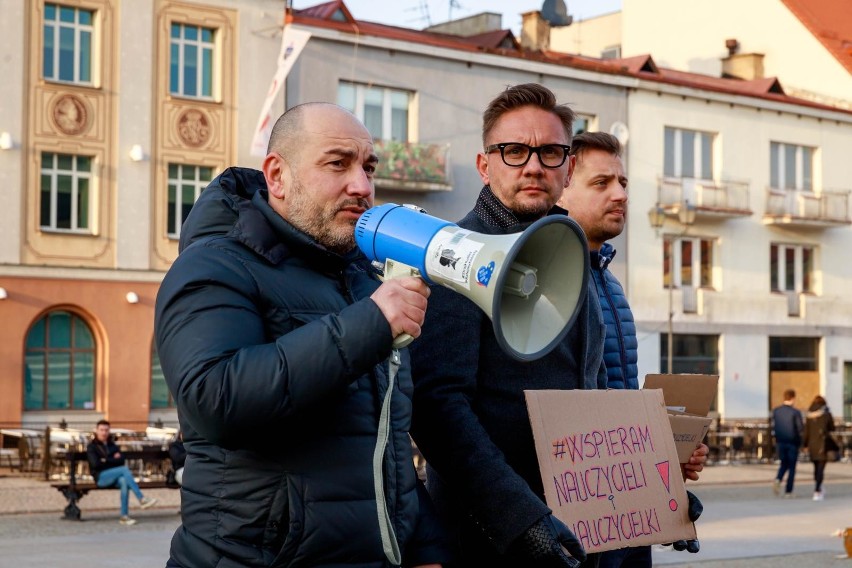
[{"x": 389, "y": 543}]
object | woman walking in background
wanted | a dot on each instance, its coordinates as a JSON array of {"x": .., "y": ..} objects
[{"x": 818, "y": 427}]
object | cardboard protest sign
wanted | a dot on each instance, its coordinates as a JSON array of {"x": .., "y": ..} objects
[
  {"x": 609, "y": 466},
  {"x": 688, "y": 398}
]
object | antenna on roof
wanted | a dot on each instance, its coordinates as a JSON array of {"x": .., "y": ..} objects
[
  {"x": 423, "y": 8},
  {"x": 453, "y": 4},
  {"x": 556, "y": 14}
]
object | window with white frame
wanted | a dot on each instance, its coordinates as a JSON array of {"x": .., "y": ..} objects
[
  {"x": 191, "y": 57},
  {"x": 791, "y": 167},
  {"x": 66, "y": 192},
  {"x": 688, "y": 154},
  {"x": 583, "y": 123},
  {"x": 384, "y": 111},
  {"x": 67, "y": 47},
  {"x": 186, "y": 182},
  {"x": 687, "y": 261},
  {"x": 791, "y": 268}
]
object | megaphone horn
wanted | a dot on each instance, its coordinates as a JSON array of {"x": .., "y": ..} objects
[{"x": 531, "y": 284}]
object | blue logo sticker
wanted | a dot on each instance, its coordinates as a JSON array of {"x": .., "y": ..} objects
[{"x": 483, "y": 275}]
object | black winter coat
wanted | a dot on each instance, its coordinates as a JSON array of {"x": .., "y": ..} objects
[
  {"x": 101, "y": 456},
  {"x": 277, "y": 360},
  {"x": 818, "y": 427},
  {"x": 470, "y": 416}
]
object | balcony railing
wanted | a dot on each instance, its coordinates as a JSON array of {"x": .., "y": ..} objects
[
  {"x": 791, "y": 207},
  {"x": 719, "y": 199},
  {"x": 412, "y": 167}
]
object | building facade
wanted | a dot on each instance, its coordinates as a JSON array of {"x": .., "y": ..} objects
[
  {"x": 756, "y": 277},
  {"x": 750, "y": 250},
  {"x": 115, "y": 116}
]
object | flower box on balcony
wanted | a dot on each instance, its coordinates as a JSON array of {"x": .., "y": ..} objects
[{"x": 413, "y": 167}]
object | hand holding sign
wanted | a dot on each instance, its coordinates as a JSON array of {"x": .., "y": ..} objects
[
  {"x": 544, "y": 541},
  {"x": 695, "y": 510}
]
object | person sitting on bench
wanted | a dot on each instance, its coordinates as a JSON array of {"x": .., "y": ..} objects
[{"x": 107, "y": 466}]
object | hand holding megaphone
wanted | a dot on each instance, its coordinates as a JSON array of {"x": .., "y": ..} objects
[
  {"x": 530, "y": 284},
  {"x": 403, "y": 303}
]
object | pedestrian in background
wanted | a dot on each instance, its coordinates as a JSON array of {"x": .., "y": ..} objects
[
  {"x": 818, "y": 441},
  {"x": 787, "y": 427}
]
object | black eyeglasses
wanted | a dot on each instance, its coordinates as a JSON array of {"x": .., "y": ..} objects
[{"x": 516, "y": 154}]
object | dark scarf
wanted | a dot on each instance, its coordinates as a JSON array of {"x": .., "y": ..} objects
[{"x": 492, "y": 211}]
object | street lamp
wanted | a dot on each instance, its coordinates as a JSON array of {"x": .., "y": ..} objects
[{"x": 685, "y": 217}]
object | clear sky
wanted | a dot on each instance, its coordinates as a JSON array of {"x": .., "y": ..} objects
[{"x": 412, "y": 13}]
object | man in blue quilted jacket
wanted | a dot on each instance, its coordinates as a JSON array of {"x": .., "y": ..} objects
[{"x": 596, "y": 197}]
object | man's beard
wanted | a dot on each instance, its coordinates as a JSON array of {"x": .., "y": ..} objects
[
  {"x": 531, "y": 209},
  {"x": 319, "y": 220}
]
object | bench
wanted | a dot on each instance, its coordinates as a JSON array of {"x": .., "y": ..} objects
[{"x": 74, "y": 490}]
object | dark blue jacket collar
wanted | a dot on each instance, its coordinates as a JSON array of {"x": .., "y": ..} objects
[{"x": 601, "y": 258}]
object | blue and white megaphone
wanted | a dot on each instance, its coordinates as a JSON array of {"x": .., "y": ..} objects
[{"x": 530, "y": 284}]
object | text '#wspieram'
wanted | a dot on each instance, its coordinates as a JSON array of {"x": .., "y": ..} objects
[{"x": 620, "y": 441}]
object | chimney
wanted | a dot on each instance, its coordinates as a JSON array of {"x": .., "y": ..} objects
[
  {"x": 741, "y": 65},
  {"x": 535, "y": 32}
]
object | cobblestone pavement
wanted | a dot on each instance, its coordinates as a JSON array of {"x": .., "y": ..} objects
[{"x": 744, "y": 524}]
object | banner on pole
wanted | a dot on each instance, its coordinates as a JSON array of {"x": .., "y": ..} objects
[{"x": 293, "y": 41}]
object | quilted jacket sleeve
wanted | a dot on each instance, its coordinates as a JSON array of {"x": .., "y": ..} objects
[{"x": 226, "y": 375}]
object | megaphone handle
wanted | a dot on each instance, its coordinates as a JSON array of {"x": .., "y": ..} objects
[
  {"x": 402, "y": 340},
  {"x": 396, "y": 269}
]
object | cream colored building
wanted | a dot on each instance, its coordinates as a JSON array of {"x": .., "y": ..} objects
[
  {"x": 114, "y": 115},
  {"x": 594, "y": 37},
  {"x": 804, "y": 43}
]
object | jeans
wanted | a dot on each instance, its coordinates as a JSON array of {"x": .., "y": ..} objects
[
  {"x": 120, "y": 476},
  {"x": 788, "y": 453},
  {"x": 819, "y": 474}
]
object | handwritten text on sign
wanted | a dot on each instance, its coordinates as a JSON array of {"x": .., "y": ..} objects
[{"x": 607, "y": 474}]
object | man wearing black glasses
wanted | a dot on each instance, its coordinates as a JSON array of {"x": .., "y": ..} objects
[{"x": 470, "y": 418}]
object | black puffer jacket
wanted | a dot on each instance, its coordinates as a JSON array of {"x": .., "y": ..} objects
[{"x": 277, "y": 360}]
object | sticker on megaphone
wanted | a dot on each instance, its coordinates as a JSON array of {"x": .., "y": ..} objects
[{"x": 451, "y": 256}]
